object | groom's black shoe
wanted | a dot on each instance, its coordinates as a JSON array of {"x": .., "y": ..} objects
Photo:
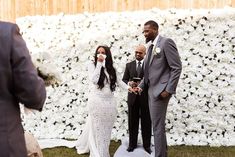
[
  {"x": 130, "y": 149},
  {"x": 148, "y": 149}
]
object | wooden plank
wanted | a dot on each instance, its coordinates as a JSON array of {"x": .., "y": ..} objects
[
  {"x": 91, "y": 7},
  {"x": 72, "y": 6},
  {"x": 128, "y": 5},
  {"x": 186, "y": 4},
  {"x": 196, "y": 4},
  {"x": 115, "y": 5},
  {"x": 141, "y": 5},
  {"x": 106, "y": 5},
  {"x": 204, "y": 4},
  {"x": 211, "y": 3},
  {"x": 163, "y": 4},
  {"x": 148, "y": 4},
  {"x": 60, "y": 6},
  {"x": 3, "y": 11},
  {"x": 97, "y": 6},
  {"x": 64, "y": 6},
  {"x": 80, "y": 7},
  {"x": 86, "y": 5},
  {"x": 13, "y": 11},
  {"x": 123, "y": 6},
  {"x": 178, "y": 4},
  {"x": 232, "y": 3},
  {"x": 49, "y": 7},
  {"x": 36, "y": 7},
  {"x": 228, "y": 3},
  {"x": 54, "y": 9},
  {"x": 7, "y": 13}
]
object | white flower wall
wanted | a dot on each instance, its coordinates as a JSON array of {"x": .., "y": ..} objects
[{"x": 201, "y": 113}]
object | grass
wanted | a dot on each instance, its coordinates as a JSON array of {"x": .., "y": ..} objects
[
  {"x": 173, "y": 151},
  {"x": 201, "y": 151},
  {"x": 68, "y": 152}
]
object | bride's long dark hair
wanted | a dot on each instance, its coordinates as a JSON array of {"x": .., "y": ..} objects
[{"x": 110, "y": 69}]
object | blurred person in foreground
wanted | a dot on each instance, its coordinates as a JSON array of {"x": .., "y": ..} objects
[
  {"x": 138, "y": 109},
  {"x": 19, "y": 83},
  {"x": 161, "y": 75}
]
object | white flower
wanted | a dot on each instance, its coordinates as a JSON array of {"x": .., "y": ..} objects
[
  {"x": 156, "y": 51},
  {"x": 207, "y": 71}
]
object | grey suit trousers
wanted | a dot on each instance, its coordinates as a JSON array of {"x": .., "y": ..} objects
[{"x": 158, "y": 108}]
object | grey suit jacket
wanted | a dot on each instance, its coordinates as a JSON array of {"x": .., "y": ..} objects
[
  {"x": 19, "y": 83},
  {"x": 165, "y": 68}
]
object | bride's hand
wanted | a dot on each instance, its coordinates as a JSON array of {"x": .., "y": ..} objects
[
  {"x": 100, "y": 58},
  {"x": 131, "y": 90}
]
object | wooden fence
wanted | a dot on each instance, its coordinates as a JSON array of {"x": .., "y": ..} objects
[{"x": 11, "y": 9}]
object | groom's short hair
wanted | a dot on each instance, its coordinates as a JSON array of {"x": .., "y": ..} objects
[{"x": 152, "y": 24}]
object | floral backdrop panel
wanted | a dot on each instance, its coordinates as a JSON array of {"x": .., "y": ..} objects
[{"x": 201, "y": 113}]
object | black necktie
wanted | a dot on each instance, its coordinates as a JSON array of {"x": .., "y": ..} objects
[
  {"x": 139, "y": 69},
  {"x": 146, "y": 69}
]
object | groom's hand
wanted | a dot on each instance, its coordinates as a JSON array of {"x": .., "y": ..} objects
[
  {"x": 164, "y": 94},
  {"x": 138, "y": 90},
  {"x": 131, "y": 90},
  {"x": 132, "y": 84}
]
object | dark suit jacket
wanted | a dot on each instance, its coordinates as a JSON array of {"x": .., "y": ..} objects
[
  {"x": 129, "y": 73},
  {"x": 19, "y": 83}
]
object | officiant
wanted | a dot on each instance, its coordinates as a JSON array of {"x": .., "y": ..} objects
[{"x": 137, "y": 104}]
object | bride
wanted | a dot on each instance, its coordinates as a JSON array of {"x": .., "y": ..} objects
[{"x": 96, "y": 135}]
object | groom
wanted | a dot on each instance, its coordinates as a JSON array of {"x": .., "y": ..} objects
[{"x": 161, "y": 75}]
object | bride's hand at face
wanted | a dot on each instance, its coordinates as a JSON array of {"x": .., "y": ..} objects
[{"x": 100, "y": 58}]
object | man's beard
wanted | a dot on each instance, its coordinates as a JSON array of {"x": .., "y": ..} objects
[
  {"x": 138, "y": 58},
  {"x": 147, "y": 40}
]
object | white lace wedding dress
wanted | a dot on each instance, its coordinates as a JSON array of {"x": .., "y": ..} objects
[{"x": 102, "y": 113}]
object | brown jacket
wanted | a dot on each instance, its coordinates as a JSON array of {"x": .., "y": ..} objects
[{"x": 19, "y": 83}]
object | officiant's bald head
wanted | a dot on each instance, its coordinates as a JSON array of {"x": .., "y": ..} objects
[{"x": 140, "y": 52}]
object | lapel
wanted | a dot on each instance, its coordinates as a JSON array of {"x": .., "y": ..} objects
[
  {"x": 157, "y": 45},
  {"x": 142, "y": 71},
  {"x": 133, "y": 68}
]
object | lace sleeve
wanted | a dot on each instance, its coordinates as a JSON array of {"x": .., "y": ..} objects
[
  {"x": 94, "y": 72},
  {"x": 122, "y": 84}
]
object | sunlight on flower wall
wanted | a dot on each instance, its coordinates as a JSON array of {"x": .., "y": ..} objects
[{"x": 201, "y": 113}]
